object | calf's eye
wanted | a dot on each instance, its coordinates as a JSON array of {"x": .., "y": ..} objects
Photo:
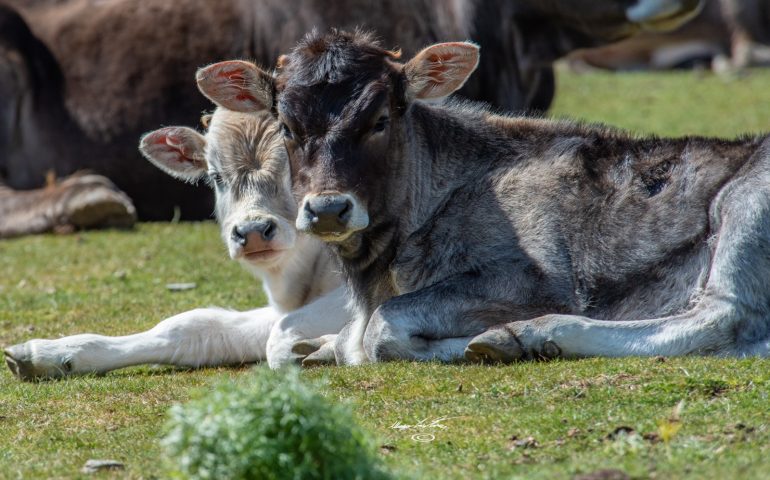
[
  {"x": 382, "y": 122},
  {"x": 286, "y": 131}
]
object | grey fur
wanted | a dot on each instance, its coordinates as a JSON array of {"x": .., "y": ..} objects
[{"x": 553, "y": 237}]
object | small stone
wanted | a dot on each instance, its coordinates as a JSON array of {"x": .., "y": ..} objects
[
  {"x": 178, "y": 287},
  {"x": 622, "y": 430},
  {"x": 93, "y": 466},
  {"x": 387, "y": 449},
  {"x": 606, "y": 474},
  {"x": 528, "y": 442}
]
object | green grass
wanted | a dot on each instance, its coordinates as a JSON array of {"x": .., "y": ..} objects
[
  {"x": 669, "y": 103},
  {"x": 114, "y": 282}
]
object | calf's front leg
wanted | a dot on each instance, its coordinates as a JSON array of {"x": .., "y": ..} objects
[
  {"x": 306, "y": 330},
  {"x": 197, "y": 338},
  {"x": 438, "y": 322}
]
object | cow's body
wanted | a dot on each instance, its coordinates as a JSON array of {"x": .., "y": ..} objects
[
  {"x": 726, "y": 34},
  {"x": 544, "y": 238},
  {"x": 552, "y": 218},
  {"x": 92, "y": 76},
  {"x": 306, "y": 300}
]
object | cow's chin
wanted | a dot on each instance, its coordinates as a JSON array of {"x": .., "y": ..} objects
[
  {"x": 337, "y": 237},
  {"x": 262, "y": 256},
  {"x": 262, "y": 259},
  {"x": 334, "y": 237}
]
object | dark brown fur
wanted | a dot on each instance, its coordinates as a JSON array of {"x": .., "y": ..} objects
[{"x": 102, "y": 73}]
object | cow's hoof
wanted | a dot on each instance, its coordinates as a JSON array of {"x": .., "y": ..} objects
[
  {"x": 94, "y": 204},
  {"x": 494, "y": 346},
  {"x": 19, "y": 364},
  {"x": 322, "y": 356},
  {"x": 550, "y": 350},
  {"x": 307, "y": 347}
]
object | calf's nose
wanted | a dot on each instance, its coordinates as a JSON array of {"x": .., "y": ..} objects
[
  {"x": 328, "y": 213},
  {"x": 254, "y": 233}
]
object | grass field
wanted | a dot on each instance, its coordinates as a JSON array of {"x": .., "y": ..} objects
[{"x": 581, "y": 415}]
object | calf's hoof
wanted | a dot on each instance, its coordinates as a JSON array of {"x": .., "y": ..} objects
[
  {"x": 494, "y": 346},
  {"x": 20, "y": 363},
  {"x": 307, "y": 347},
  {"x": 322, "y": 356}
]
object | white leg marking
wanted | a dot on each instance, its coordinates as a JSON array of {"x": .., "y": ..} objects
[
  {"x": 200, "y": 337},
  {"x": 326, "y": 315}
]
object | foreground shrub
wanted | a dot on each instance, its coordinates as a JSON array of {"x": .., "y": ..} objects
[{"x": 270, "y": 426}]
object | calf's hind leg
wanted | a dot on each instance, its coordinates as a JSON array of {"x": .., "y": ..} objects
[{"x": 731, "y": 317}]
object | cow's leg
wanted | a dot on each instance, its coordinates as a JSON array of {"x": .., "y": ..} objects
[
  {"x": 324, "y": 355},
  {"x": 665, "y": 14},
  {"x": 201, "y": 337},
  {"x": 731, "y": 316},
  {"x": 437, "y": 322},
  {"x": 79, "y": 201},
  {"x": 307, "y": 329}
]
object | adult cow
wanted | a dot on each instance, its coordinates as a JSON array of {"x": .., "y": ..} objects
[
  {"x": 90, "y": 77},
  {"x": 464, "y": 233}
]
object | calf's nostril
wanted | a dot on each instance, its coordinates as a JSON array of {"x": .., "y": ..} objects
[
  {"x": 238, "y": 236},
  {"x": 309, "y": 209},
  {"x": 269, "y": 232},
  {"x": 346, "y": 210}
]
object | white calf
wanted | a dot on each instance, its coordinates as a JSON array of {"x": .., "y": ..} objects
[{"x": 243, "y": 158}]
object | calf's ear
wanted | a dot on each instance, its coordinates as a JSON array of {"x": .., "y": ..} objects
[
  {"x": 440, "y": 69},
  {"x": 178, "y": 151},
  {"x": 237, "y": 85}
]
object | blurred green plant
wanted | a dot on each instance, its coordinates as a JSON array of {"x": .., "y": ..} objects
[{"x": 270, "y": 426}]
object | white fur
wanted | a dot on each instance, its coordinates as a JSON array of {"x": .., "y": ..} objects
[{"x": 306, "y": 300}]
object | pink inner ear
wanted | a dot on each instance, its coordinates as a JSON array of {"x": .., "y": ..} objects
[
  {"x": 441, "y": 69},
  {"x": 157, "y": 138},
  {"x": 223, "y": 80},
  {"x": 246, "y": 97},
  {"x": 233, "y": 75},
  {"x": 438, "y": 68},
  {"x": 175, "y": 144},
  {"x": 437, "y": 58},
  {"x": 171, "y": 145}
]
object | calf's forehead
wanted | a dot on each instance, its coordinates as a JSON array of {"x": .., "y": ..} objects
[
  {"x": 239, "y": 142},
  {"x": 329, "y": 76},
  {"x": 317, "y": 108}
]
